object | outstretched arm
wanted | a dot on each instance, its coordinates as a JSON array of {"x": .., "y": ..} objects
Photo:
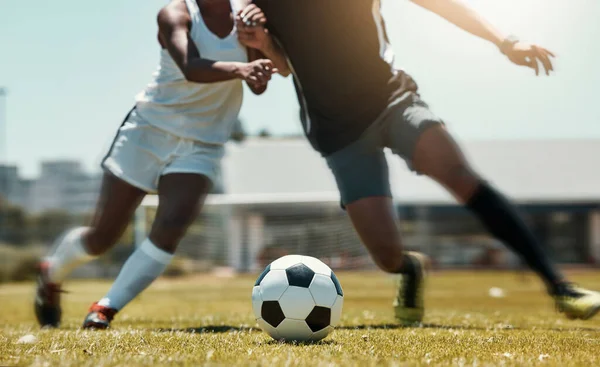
[
  {"x": 461, "y": 15},
  {"x": 174, "y": 35}
]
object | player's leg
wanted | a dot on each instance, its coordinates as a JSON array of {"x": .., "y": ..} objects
[
  {"x": 180, "y": 199},
  {"x": 361, "y": 174},
  {"x": 376, "y": 222},
  {"x": 181, "y": 191},
  {"x": 420, "y": 137},
  {"x": 115, "y": 206},
  {"x": 132, "y": 165}
]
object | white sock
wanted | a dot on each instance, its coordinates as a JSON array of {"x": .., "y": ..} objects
[
  {"x": 143, "y": 266},
  {"x": 68, "y": 253}
]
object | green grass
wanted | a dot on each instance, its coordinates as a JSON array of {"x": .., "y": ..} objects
[{"x": 208, "y": 321}]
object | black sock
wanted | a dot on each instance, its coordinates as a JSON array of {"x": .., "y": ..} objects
[
  {"x": 409, "y": 268},
  {"x": 501, "y": 219}
]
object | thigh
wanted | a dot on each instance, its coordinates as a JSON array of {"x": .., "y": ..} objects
[
  {"x": 197, "y": 158},
  {"x": 360, "y": 171},
  {"x": 182, "y": 189},
  {"x": 376, "y": 222},
  {"x": 181, "y": 196},
  {"x": 438, "y": 156},
  {"x": 116, "y": 205},
  {"x": 139, "y": 153},
  {"x": 405, "y": 125}
]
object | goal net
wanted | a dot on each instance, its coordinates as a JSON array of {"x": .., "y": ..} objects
[{"x": 244, "y": 233}]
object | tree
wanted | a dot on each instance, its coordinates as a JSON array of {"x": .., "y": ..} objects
[
  {"x": 51, "y": 224},
  {"x": 264, "y": 133},
  {"x": 14, "y": 226},
  {"x": 238, "y": 134}
]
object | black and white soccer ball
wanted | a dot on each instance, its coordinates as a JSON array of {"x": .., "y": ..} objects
[{"x": 297, "y": 298}]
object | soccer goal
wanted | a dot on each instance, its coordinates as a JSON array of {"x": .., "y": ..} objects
[
  {"x": 244, "y": 233},
  {"x": 247, "y": 232}
]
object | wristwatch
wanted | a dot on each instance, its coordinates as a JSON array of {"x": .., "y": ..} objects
[{"x": 507, "y": 43}]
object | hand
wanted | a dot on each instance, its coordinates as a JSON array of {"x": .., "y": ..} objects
[
  {"x": 407, "y": 83},
  {"x": 250, "y": 27},
  {"x": 524, "y": 54},
  {"x": 257, "y": 73}
]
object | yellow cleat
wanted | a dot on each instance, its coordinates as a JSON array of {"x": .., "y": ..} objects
[
  {"x": 578, "y": 303},
  {"x": 408, "y": 303}
]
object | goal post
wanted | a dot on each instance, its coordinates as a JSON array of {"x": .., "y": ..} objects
[{"x": 246, "y": 232}]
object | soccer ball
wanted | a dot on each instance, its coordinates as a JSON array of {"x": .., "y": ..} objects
[{"x": 297, "y": 298}]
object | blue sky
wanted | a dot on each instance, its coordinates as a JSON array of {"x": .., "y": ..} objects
[{"x": 73, "y": 67}]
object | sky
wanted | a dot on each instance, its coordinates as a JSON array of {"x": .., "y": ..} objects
[{"x": 72, "y": 69}]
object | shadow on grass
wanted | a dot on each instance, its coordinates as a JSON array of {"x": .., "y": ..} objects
[
  {"x": 465, "y": 327},
  {"x": 396, "y": 326},
  {"x": 212, "y": 329},
  {"x": 299, "y": 344}
]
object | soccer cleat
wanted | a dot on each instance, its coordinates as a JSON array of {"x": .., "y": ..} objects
[
  {"x": 47, "y": 299},
  {"x": 576, "y": 302},
  {"x": 409, "y": 303},
  {"x": 99, "y": 317}
]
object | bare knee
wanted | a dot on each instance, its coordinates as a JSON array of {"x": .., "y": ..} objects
[
  {"x": 376, "y": 223},
  {"x": 168, "y": 230},
  {"x": 438, "y": 156},
  {"x": 99, "y": 240},
  {"x": 460, "y": 180},
  {"x": 389, "y": 264}
]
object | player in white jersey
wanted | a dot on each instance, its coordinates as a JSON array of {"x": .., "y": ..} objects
[{"x": 171, "y": 143}]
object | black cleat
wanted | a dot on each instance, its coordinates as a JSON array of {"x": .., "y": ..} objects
[
  {"x": 99, "y": 317},
  {"x": 47, "y": 299}
]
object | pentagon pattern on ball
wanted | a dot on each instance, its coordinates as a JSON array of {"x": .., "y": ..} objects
[
  {"x": 273, "y": 285},
  {"x": 338, "y": 286},
  {"x": 323, "y": 290},
  {"x": 316, "y": 265},
  {"x": 262, "y": 275},
  {"x": 256, "y": 302},
  {"x": 336, "y": 311},
  {"x": 271, "y": 312},
  {"x": 296, "y": 303},
  {"x": 297, "y": 330},
  {"x": 299, "y": 275},
  {"x": 297, "y": 298},
  {"x": 285, "y": 262},
  {"x": 319, "y": 318},
  {"x": 322, "y": 334}
]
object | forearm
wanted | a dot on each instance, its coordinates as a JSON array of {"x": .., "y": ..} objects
[
  {"x": 461, "y": 15},
  {"x": 273, "y": 52},
  {"x": 208, "y": 71}
]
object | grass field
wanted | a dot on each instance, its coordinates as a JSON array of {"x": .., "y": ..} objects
[{"x": 207, "y": 320}]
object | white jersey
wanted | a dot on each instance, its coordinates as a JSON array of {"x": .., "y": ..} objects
[{"x": 202, "y": 112}]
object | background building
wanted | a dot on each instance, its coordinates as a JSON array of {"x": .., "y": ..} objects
[
  {"x": 281, "y": 198},
  {"x": 277, "y": 196},
  {"x": 62, "y": 185}
]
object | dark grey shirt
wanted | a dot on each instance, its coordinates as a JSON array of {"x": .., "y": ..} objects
[{"x": 341, "y": 62}]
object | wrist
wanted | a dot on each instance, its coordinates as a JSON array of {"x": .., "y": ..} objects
[
  {"x": 267, "y": 47},
  {"x": 507, "y": 43},
  {"x": 236, "y": 69}
]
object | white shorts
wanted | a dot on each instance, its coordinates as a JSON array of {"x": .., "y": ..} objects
[{"x": 142, "y": 153}]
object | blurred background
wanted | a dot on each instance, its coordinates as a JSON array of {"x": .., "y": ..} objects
[{"x": 69, "y": 72}]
